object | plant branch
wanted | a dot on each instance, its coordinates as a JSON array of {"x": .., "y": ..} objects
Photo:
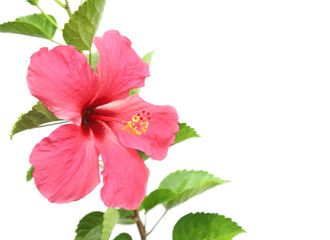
[
  {"x": 60, "y": 3},
  {"x": 67, "y": 8},
  {"x": 140, "y": 225}
]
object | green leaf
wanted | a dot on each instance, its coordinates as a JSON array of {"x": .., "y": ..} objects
[
  {"x": 205, "y": 226},
  {"x": 88, "y": 223},
  {"x": 94, "y": 234},
  {"x": 29, "y": 174},
  {"x": 133, "y": 91},
  {"x": 33, "y": 119},
  {"x": 185, "y": 132},
  {"x": 33, "y": 2},
  {"x": 111, "y": 218},
  {"x": 178, "y": 187},
  {"x": 36, "y": 25},
  {"x": 126, "y": 216},
  {"x": 187, "y": 184},
  {"x": 82, "y": 26},
  {"x": 147, "y": 59},
  {"x": 97, "y": 225},
  {"x": 157, "y": 197},
  {"x": 123, "y": 236},
  {"x": 143, "y": 155}
]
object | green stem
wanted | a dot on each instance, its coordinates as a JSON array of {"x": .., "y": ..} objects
[
  {"x": 67, "y": 8},
  {"x": 56, "y": 42},
  {"x": 60, "y": 3},
  {"x": 140, "y": 225},
  {"x": 157, "y": 223},
  {"x": 90, "y": 57},
  {"x": 49, "y": 18}
]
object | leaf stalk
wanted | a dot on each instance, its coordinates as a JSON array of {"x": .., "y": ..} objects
[
  {"x": 157, "y": 223},
  {"x": 90, "y": 57},
  {"x": 56, "y": 42},
  {"x": 60, "y": 3},
  {"x": 49, "y": 18}
]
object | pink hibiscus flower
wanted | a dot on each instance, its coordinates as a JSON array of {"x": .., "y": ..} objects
[{"x": 105, "y": 120}]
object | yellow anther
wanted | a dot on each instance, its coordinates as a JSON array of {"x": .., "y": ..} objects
[{"x": 139, "y": 123}]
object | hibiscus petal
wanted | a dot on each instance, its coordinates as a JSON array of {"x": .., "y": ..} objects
[
  {"x": 63, "y": 81},
  {"x": 119, "y": 68},
  {"x": 66, "y": 164},
  {"x": 125, "y": 175},
  {"x": 160, "y": 134}
]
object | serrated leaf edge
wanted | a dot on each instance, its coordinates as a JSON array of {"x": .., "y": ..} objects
[
  {"x": 195, "y": 171},
  {"x": 216, "y": 214},
  {"x": 166, "y": 200},
  {"x": 75, "y": 17},
  {"x": 34, "y": 108},
  {"x": 39, "y": 29},
  {"x": 216, "y": 180},
  {"x": 193, "y": 131}
]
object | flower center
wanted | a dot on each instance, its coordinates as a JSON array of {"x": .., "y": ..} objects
[{"x": 136, "y": 126}]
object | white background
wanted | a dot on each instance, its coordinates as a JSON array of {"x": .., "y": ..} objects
[{"x": 251, "y": 76}]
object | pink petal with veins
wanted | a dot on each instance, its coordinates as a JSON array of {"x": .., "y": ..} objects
[
  {"x": 125, "y": 175},
  {"x": 66, "y": 164},
  {"x": 63, "y": 81},
  {"x": 119, "y": 68},
  {"x": 160, "y": 134}
]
